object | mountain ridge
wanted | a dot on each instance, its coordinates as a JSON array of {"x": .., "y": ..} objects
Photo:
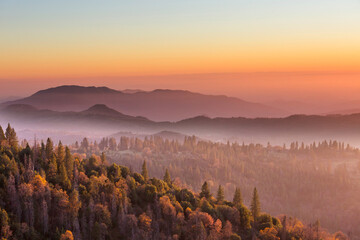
[{"x": 157, "y": 105}]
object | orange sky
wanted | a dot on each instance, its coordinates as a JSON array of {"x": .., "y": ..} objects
[{"x": 165, "y": 44}]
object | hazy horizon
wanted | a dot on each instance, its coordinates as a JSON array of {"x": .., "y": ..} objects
[{"x": 319, "y": 88}]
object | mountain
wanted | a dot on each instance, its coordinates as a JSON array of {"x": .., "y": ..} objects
[
  {"x": 157, "y": 105},
  {"x": 305, "y": 128},
  {"x": 165, "y": 134},
  {"x": 98, "y": 119}
]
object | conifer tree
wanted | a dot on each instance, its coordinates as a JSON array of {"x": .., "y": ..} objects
[
  {"x": 8, "y": 132},
  {"x": 63, "y": 177},
  {"x": 53, "y": 169},
  {"x": 205, "y": 191},
  {"x": 167, "y": 177},
  {"x": 237, "y": 201},
  {"x": 60, "y": 153},
  {"x": 103, "y": 158},
  {"x": 144, "y": 172},
  {"x": 2, "y": 135},
  {"x": 11, "y": 137},
  {"x": 49, "y": 149},
  {"x": 220, "y": 194},
  {"x": 255, "y": 205},
  {"x": 69, "y": 163}
]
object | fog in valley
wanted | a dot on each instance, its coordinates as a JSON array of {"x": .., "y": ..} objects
[{"x": 303, "y": 166}]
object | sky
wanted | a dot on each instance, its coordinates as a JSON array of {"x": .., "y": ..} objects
[{"x": 254, "y": 49}]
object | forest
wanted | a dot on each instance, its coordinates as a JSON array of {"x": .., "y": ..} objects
[
  {"x": 49, "y": 193},
  {"x": 317, "y": 181}
]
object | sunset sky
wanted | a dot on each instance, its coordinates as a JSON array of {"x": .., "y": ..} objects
[{"x": 202, "y": 45}]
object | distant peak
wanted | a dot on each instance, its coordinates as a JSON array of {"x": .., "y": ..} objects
[
  {"x": 101, "y": 108},
  {"x": 75, "y": 89}
]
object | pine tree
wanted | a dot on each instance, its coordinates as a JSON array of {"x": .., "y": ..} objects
[
  {"x": 205, "y": 191},
  {"x": 8, "y": 132},
  {"x": 63, "y": 177},
  {"x": 60, "y": 153},
  {"x": 144, "y": 172},
  {"x": 220, "y": 194},
  {"x": 52, "y": 171},
  {"x": 69, "y": 163},
  {"x": 2, "y": 135},
  {"x": 237, "y": 201},
  {"x": 167, "y": 177},
  {"x": 11, "y": 137},
  {"x": 255, "y": 205},
  {"x": 49, "y": 149},
  {"x": 103, "y": 158}
]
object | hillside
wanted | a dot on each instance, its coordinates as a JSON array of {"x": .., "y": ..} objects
[
  {"x": 48, "y": 193},
  {"x": 315, "y": 181},
  {"x": 157, "y": 105}
]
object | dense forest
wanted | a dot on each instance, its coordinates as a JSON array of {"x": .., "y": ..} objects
[
  {"x": 46, "y": 192},
  {"x": 309, "y": 181}
]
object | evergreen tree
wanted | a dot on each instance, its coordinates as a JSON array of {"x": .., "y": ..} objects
[
  {"x": 63, "y": 177},
  {"x": 2, "y": 135},
  {"x": 49, "y": 149},
  {"x": 69, "y": 163},
  {"x": 84, "y": 146},
  {"x": 167, "y": 177},
  {"x": 220, "y": 194},
  {"x": 11, "y": 137},
  {"x": 237, "y": 201},
  {"x": 255, "y": 205},
  {"x": 144, "y": 172},
  {"x": 52, "y": 170},
  {"x": 103, "y": 158},
  {"x": 60, "y": 153},
  {"x": 205, "y": 191},
  {"x": 8, "y": 132}
]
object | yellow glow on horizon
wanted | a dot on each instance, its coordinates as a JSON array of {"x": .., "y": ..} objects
[{"x": 85, "y": 61}]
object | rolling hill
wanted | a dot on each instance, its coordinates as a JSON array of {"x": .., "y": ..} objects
[
  {"x": 157, "y": 105},
  {"x": 103, "y": 121}
]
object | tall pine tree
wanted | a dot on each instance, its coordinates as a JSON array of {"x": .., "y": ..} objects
[
  {"x": 220, "y": 195},
  {"x": 255, "y": 205},
  {"x": 49, "y": 149},
  {"x": 167, "y": 177},
  {"x": 237, "y": 201},
  {"x": 144, "y": 172},
  {"x": 2, "y": 135},
  {"x": 60, "y": 153},
  {"x": 69, "y": 163},
  {"x": 205, "y": 191}
]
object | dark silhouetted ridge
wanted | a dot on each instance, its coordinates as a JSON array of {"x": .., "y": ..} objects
[{"x": 73, "y": 89}]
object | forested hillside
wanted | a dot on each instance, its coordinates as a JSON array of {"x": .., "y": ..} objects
[
  {"x": 48, "y": 193},
  {"x": 316, "y": 181}
]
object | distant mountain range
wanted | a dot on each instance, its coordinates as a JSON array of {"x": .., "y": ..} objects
[
  {"x": 101, "y": 120},
  {"x": 157, "y": 105}
]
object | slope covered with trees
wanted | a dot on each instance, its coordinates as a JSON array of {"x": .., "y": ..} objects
[
  {"x": 48, "y": 193},
  {"x": 316, "y": 181}
]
